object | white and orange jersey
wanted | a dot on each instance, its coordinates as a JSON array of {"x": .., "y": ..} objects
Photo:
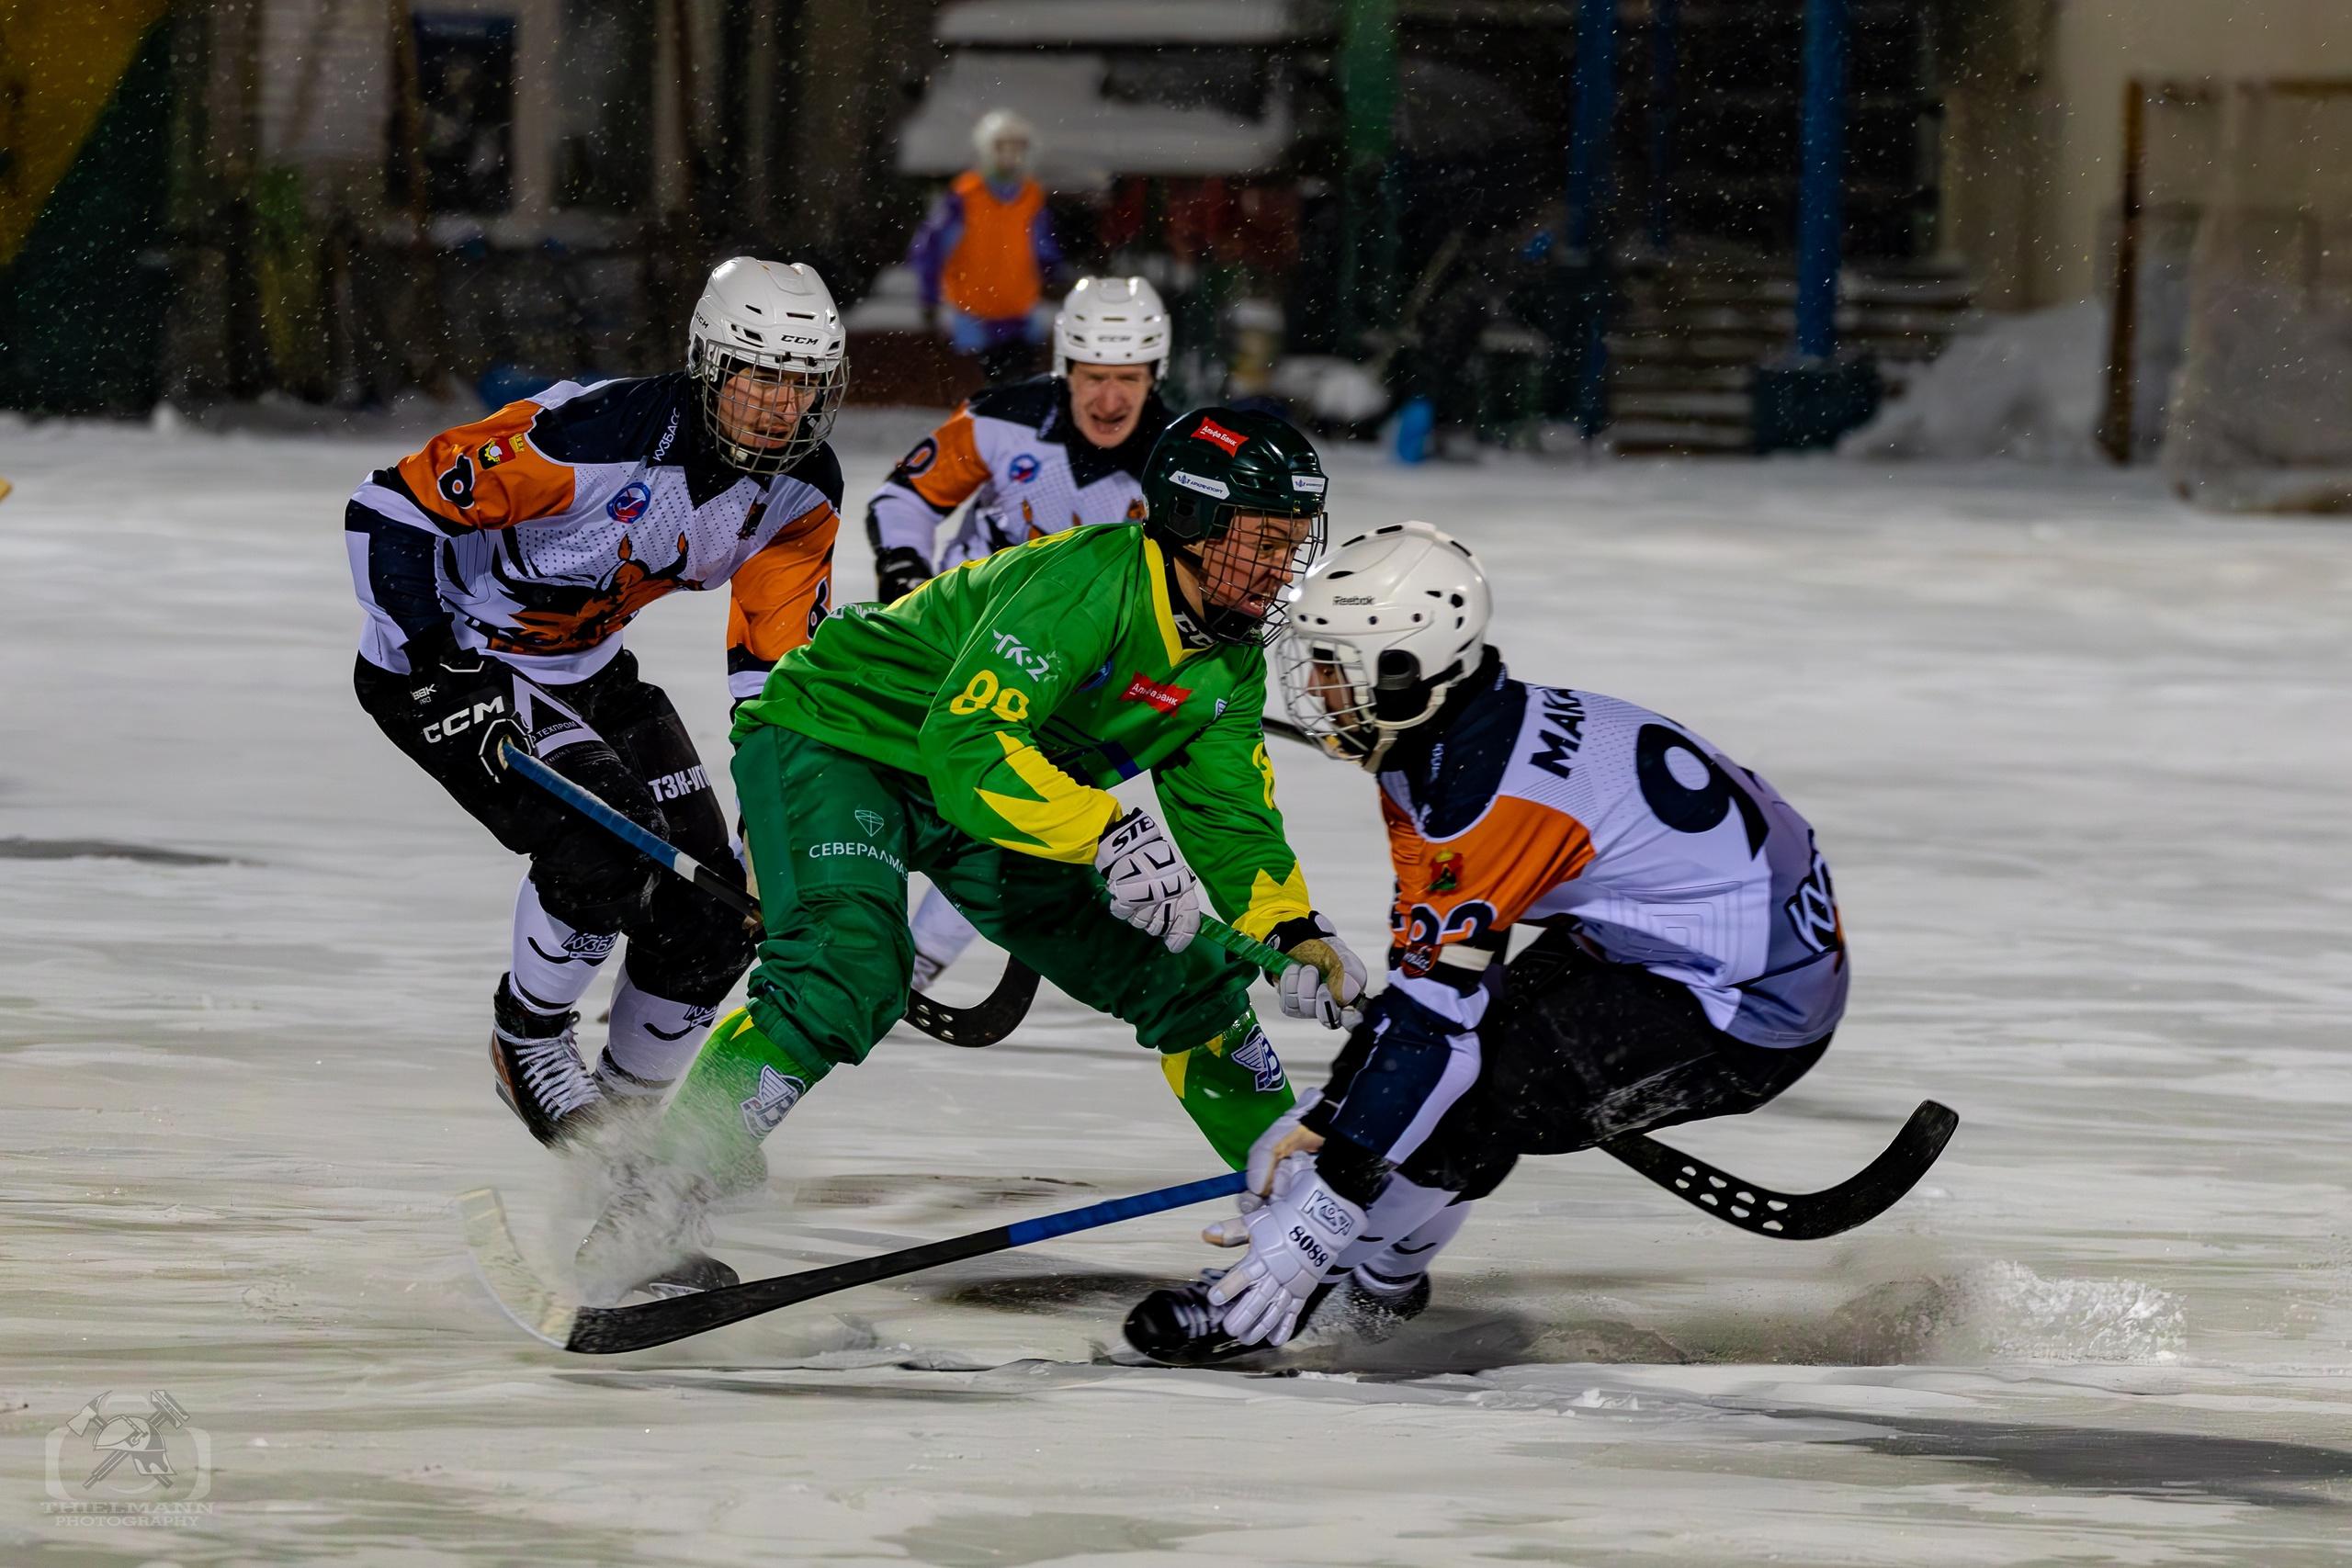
[
  {"x": 1544, "y": 804},
  {"x": 1016, "y": 455},
  {"x": 540, "y": 532}
]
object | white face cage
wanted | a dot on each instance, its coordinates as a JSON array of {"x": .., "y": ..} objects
[
  {"x": 1328, "y": 691},
  {"x": 740, "y": 394}
]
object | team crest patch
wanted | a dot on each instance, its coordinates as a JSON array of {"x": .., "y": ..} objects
[
  {"x": 774, "y": 1096},
  {"x": 629, "y": 504},
  {"x": 869, "y": 820},
  {"x": 1445, "y": 872},
  {"x": 1257, "y": 1055},
  {"x": 1023, "y": 468},
  {"x": 1217, "y": 435},
  {"x": 493, "y": 452},
  {"x": 1164, "y": 697}
]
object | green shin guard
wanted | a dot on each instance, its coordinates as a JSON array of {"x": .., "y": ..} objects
[
  {"x": 1233, "y": 1089},
  {"x": 739, "y": 1087}
]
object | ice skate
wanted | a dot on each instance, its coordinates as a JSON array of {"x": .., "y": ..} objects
[
  {"x": 629, "y": 1100},
  {"x": 696, "y": 1271},
  {"x": 540, "y": 1076},
  {"x": 1367, "y": 1312},
  {"x": 1178, "y": 1325},
  {"x": 651, "y": 1236}
]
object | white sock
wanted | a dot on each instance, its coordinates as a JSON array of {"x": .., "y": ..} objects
[
  {"x": 553, "y": 965},
  {"x": 941, "y": 932},
  {"x": 1402, "y": 1208},
  {"x": 1395, "y": 1268},
  {"x": 653, "y": 1039}
]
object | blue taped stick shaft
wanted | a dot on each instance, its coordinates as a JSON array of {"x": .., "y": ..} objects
[
  {"x": 654, "y": 848},
  {"x": 587, "y": 804},
  {"x": 1112, "y": 1211}
]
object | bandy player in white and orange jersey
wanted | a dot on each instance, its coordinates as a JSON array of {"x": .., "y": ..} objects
[
  {"x": 1691, "y": 962},
  {"x": 1035, "y": 458},
  {"x": 498, "y": 567}
]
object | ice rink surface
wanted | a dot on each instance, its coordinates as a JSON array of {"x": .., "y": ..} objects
[{"x": 2076, "y": 757}]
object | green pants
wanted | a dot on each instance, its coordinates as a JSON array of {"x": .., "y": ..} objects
[{"x": 833, "y": 837}]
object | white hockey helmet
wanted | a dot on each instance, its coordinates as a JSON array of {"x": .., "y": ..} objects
[
  {"x": 1003, "y": 125},
  {"x": 1112, "y": 321},
  {"x": 774, "y": 320},
  {"x": 1382, "y": 628}
]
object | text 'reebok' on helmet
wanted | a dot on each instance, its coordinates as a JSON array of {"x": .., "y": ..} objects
[
  {"x": 1380, "y": 631},
  {"x": 1239, "y": 494},
  {"x": 1112, "y": 321},
  {"x": 766, "y": 339}
]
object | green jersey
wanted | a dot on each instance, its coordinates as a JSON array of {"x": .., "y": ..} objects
[{"x": 1022, "y": 685}]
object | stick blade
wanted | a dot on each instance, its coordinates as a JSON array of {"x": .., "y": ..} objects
[
  {"x": 1798, "y": 1216},
  {"x": 986, "y": 1021},
  {"x": 535, "y": 1308}
]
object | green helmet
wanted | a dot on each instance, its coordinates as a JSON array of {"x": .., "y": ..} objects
[{"x": 1213, "y": 465}]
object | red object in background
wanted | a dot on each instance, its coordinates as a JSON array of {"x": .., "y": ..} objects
[{"x": 1212, "y": 219}]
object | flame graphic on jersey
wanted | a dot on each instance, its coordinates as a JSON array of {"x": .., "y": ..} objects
[{"x": 556, "y": 617}]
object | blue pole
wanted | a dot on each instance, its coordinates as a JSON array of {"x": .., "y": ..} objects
[
  {"x": 1664, "y": 38},
  {"x": 1588, "y": 196},
  {"x": 1821, "y": 179},
  {"x": 1596, "y": 103}
]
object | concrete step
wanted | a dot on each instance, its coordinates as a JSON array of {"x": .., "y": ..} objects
[
  {"x": 1636, "y": 438},
  {"x": 1701, "y": 408},
  {"x": 1644, "y": 374}
]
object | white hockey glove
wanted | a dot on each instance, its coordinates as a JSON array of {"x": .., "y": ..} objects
[
  {"x": 1273, "y": 1152},
  {"x": 1151, "y": 888},
  {"x": 1295, "y": 1241},
  {"x": 1327, "y": 980}
]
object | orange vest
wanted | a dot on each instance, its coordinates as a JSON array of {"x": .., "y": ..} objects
[{"x": 991, "y": 274}]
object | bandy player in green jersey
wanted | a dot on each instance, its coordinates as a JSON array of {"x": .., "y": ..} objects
[{"x": 971, "y": 731}]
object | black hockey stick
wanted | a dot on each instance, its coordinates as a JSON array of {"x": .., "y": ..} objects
[
  {"x": 983, "y": 1023},
  {"x": 546, "y": 1315},
  {"x": 1793, "y": 1216},
  {"x": 603, "y": 1331},
  {"x": 1797, "y": 1216}
]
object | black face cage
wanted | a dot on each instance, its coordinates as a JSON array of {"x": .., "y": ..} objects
[
  {"x": 712, "y": 368},
  {"x": 1226, "y": 572}
]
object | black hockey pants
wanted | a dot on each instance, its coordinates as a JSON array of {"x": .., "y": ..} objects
[
  {"x": 1578, "y": 1052},
  {"x": 618, "y": 736}
]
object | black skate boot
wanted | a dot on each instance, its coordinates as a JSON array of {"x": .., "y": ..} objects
[
  {"x": 651, "y": 1236},
  {"x": 628, "y": 1098},
  {"x": 540, "y": 1075},
  {"x": 1372, "y": 1308},
  {"x": 1179, "y": 1326},
  {"x": 695, "y": 1272}
]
